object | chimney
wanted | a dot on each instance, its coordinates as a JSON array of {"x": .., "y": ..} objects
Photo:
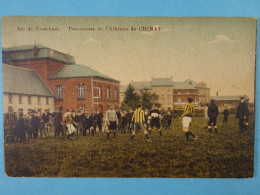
[
  {"x": 217, "y": 93},
  {"x": 35, "y": 51}
]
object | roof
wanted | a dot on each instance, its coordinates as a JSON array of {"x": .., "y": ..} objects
[
  {"x": 143, "y": 84},
  {"x": 187, "y": 84},
  {"x": 229, "y": 98},
  {"x": 77, "y": 71},
  {"x": 27, "y": 52},
  {"x": 23, "y": 81},
  {"x": 162, "y": 82},
  {"x": 23, "y": 47}
]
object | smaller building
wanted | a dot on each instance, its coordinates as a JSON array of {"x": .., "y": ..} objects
[
  {"x": 24, "y": 90},
  {"x": 230, "y": 101}
]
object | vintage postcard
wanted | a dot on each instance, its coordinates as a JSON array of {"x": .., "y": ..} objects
[{"x": 129, "y": 97}]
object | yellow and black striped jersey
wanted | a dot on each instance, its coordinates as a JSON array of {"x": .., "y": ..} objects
[
  {"x": 189, "y": 110},
  {"x": 138, "y": 115}
]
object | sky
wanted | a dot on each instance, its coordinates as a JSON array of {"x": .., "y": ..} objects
[{"x": 217, "y": 50}]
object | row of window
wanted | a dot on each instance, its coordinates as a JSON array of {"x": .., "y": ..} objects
[
  {"x": 179, "y": 92},
  {"x": 98, "y": 92},
  {"x": 179, "y": 99},
  {"x": 29, "y": 99}
]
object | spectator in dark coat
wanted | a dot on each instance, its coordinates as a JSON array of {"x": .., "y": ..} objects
[
  {"x": 10, "y": 120},
  {"x": 123, "y": 122},
  {"x": 99, "y": 120},
  {"x": 118, "y": 114},
  {"x": 88, "y": 124},
  {"x": 28, "y": 124},
  {"x": 94, "y": 117},
  {"x": 130, "y": 124},
  {"x": 242, "y": 115},
  {"x": 225, "y": 114},
  {"x": 212, "y": 114},
  {"x": 46, "y": 116},
  {"x": 20, "y": 128},
  {"x": 35, "y": 124},
  {"x": 58, "y": 118},
  {"x": 168, "y": 120}
]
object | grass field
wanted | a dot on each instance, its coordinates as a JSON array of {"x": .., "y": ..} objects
[{"x": 228, "y": 154}]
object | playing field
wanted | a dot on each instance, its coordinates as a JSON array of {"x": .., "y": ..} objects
[{"x": 228, "y": 154}]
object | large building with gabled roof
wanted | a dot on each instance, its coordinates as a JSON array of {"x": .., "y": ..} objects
[
  {"x": 163, "y": 87},
  {"x": 173, "y": 95},
  {"x": 74, "y": 86},
  {"x": 24, "y": 90}
]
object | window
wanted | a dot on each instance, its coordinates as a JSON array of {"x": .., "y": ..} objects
[
  {"x": 179, "y": 99},
  {"x": 29, "y": 99},
  {"x": 188, "y": 92},
  {"x": 59, "y": 92},
  {"x": 81, "y": 91},
  {"x": 108, "y": 93},
  {"x": 20, "y": 99},
  {"x": 10, "y": 98},
  {"x": 47, "y": 100},
  {"x": 116, "y": 94},
  {"x": 97, "y": 92},
  {"x": 81, "y": 107},
  {"x": 179, "y": 92},
  {"x": 101, "y": 92},
  {"x": 39, "y": 100}
]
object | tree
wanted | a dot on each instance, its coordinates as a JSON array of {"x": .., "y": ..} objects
[
  {"x": 148, "y": 99},
  {"x": 131, "y": 99}
]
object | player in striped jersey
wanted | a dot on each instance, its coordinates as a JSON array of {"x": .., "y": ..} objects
[
  {"x": 139, "y": 121},
  {"x": 186, "y": 119}
]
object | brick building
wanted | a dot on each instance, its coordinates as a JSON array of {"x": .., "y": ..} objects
[
  {"x": 75, "y": 86},
  {"x": 183, "y": 90}
]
